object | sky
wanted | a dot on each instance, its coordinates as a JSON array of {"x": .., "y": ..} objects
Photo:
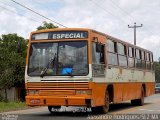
[{"x": 108, "y": 16}]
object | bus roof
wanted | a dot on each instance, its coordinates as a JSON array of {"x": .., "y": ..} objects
[
  {"x": 119, "y": 40},
  {"x": 60, "y": 29},
  {"x": 87, "y": 29}
]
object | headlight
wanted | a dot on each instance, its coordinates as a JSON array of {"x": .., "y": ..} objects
[
  {"x": 33, "y": 92},
  {"x": 88, "y": 92}
]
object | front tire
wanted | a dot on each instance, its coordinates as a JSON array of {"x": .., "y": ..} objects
[{"x": 102, "y": 109}]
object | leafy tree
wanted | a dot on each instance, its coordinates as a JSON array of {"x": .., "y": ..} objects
[
  {"x": 12, "y": 61},
  {"x": 157, "y": 71},
  {"x": 47, "y": 26}
]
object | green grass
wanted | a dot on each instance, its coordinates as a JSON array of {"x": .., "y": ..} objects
[{"x": 8, "y": 106}]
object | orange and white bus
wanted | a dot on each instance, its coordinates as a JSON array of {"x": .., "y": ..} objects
[{"x": 83, "y": 67}]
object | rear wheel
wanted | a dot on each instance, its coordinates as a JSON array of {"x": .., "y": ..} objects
[
  {"x": 53, "y": 109},
  {"x": 140, "y": 101},
  {"x": 104, "y": 108}
]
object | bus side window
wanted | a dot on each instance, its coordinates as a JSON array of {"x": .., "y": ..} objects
[
  {"x": 143, "y": 60},
  {"x": 112, "y": 53},
  {"x": 98, "y": 60},
  {"x": 151, "y": 57},
  {"x": 98, "y": 56},
  {"x": 122, "y": 58},
  {"x": 138, "y": 58},
  {"x": 148, "y": 64},
  {"x": 130, "y": 57},
  {"x": 102, "y": 55}
]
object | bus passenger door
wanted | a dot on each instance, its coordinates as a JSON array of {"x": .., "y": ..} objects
[
  {"x": 98, "y": 73},
  {"x": 98, "y": 62}
]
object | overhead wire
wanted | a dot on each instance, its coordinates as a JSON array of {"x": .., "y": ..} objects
[
  {"x": 124, "y": 11},
  {"x": 8, "y": 8},
  {"x": 5, "y": 8},
  {"x": 114, "y": 15},
  {"x": 38, "y": 13},
  {"x": 107, "y": 11}
]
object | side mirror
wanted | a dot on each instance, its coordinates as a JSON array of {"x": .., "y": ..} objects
[{"x": 98, "y": 47}]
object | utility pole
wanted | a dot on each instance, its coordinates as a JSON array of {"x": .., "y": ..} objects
[{"x": 135, "y": 31}]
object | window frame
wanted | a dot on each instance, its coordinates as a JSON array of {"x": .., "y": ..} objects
[
  {"x": 112, "y": 52},
  {"x": 131, "y": 57},
  {"x": 122, "y": 55}
]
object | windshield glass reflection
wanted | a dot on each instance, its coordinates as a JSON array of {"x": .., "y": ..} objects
[{"x": 71, "y": 58}]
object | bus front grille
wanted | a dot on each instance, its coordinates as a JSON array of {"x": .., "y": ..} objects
[
  {"x": 57, "y": 85},
  {"x": 56, "y": 92}
]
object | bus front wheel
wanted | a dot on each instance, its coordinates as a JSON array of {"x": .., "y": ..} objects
[{"x": 102, "y": 109}]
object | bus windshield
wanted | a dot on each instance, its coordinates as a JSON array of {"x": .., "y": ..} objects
[{"x": 71, "y": 57}]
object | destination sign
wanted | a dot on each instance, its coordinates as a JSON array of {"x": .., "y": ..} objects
[{"x": 61, "y": 35}]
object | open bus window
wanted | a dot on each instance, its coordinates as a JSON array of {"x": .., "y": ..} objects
[
  {"x": 98, "y": 57},
  {"x": 98, "y": 61}
]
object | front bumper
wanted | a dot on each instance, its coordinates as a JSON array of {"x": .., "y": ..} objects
[{"x": 58, "y": 100}]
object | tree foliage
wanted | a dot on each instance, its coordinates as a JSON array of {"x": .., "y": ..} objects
[
  {"x": 47, "y": 26},
  {"x": 12, "y": 60},
  {"x": 157, "y": 71}
]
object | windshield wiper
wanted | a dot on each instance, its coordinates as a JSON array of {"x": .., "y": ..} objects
[
  {"x": 70, "y": 74},
  {"x": 67, "y": 71},
  {"x": 43, "y": 72}
]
